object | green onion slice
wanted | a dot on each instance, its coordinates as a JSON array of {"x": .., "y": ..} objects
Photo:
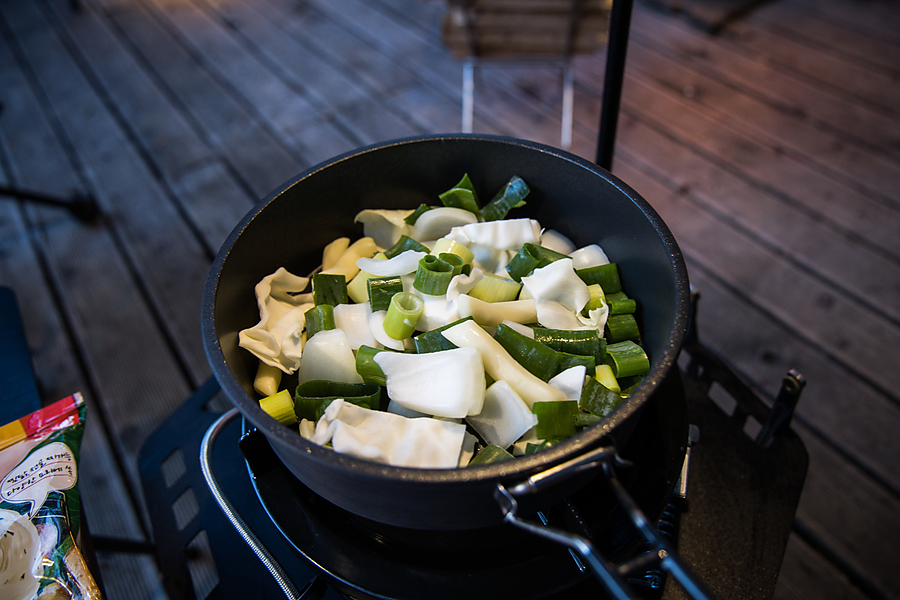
[
  {"x": 313, "y": 397},
  {"x": 381, "y": 290},
  {"x": 404, "y": 310},
  {"x": 330, "y": 289},
  {"x": 606, "y": 275},
  {"x": 555, "y": 419},
  {"x": 319, "y": 318},
  {"x": 539, "y": 359},
  {"x": 366, "y": 366},
  {"x": 627, "y": 359},
  {"x": 512, "y": 195},
  {"x": 433, "y": 276}
]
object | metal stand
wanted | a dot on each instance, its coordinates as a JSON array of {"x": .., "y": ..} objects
[{"x": 619, "y": 26}]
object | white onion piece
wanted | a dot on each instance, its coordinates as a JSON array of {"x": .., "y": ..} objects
[
  {"x": 570, "y": 381},
  {"x": 376, "y": 326},
  {"x": 449, "y": 383},
  {"x": 499, "y": 364},
  {"x": 390, "y": 439},
  {"x": 589, "y": 256},
  {"x": 438, "y": 222},
  {"x": 510, "y": 234},
  {"x": 559, "y": 295},
  {"x": 468, "y": 449},
  {"x": 505, "y": 416},
  {"x": 353, "y": 319},
  {"x": 327, "y": 355},
  {"x": 554, "y": 240},
  {"x": 461, "y": 284},
  {"x": 403, "y": 263},
  {"x": 491, "y": 314},
  {"x": 384, "y": 226},
  {"x": 438, "y": 311}
]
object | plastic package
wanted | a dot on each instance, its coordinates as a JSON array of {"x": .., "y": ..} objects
[{"x": 39, "y": 506}]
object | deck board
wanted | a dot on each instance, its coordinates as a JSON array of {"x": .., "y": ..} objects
[{"x": 771, "y": 149}]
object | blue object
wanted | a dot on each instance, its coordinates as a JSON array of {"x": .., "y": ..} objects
[{"x": 18, "y": 389}]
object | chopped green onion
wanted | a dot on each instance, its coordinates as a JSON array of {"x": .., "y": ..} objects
[
  {"x": 555, "y": 419},
  {"x": 412, "y": 218},
  {"x": 319, "y": 318},
  {"x": 597, "y": 300},
  {"x": 531, "y": 447},
  {"x": 405, "y": 309},
  {"x": 433, "y": 276},
  {"x": 511, "y": 196},
  {"x": 329, "y": 289},
  {"x": 530, "y": 257},
  {"x": 454, "y": 260},
  {"x": 584, "y": 342},
  {"x": 280, "y": 406},
  {"x": 358, "y": 288},
  {"x": 606, "y": 275},
  {"x": 453, "y": 247},
  {"x": 493, "y": 288},
  {"x": 540, "y": 360},
  {"x": 584, "y": 419},
  {"x": 381, "y": 290},
  {"x": 604, "y": 375},
  {"x": 490, "y": 454},
  {"x": 620, "y": 304},
  {"x": 597, "y": 398},
  {"x": 621, "y": 327},
  {"x": 627, "y": 359},
  {"x": 366, "y": 366},
  {"x": 462, "y": 195},
  {"x": 403, "y": 244},
  {"x": 567, "y": 361},
  {"x": 434, "y": 341},
  {"x": 313, "y": 397}
]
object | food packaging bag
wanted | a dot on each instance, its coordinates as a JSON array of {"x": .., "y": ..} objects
[{"x": 40, "y": 506}]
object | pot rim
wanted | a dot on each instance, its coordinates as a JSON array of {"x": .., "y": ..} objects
[{"x": 522, "y": 467}]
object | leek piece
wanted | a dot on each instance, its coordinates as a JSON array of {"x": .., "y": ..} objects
[
  {"x": 512, "y": 195},
  {"x": 462, "y": 195},
  {"x": 381, "y": 290},
  {"x": 412, "y": 218},
  {"x": 453, "y": 247},
  {"x": 491, "y": 454},
  {"x": 280, "y": 406},
  {"x": 500, "y": 365},
  {"x": 621, "y": 327},
  {"x": 629, "y": 385},
  {"x": 329, "y": 288},
  {"x": 567, "y": 361},
  {"x": 606, "y": 275},
  {"x": 532, "y": 447},
  {"x": 433, "y": 276},
  {"x": 366, "y": 366},
  {"x": 433, "y": 341},
  {"x": 403, "y": 244},
  {"x": 267, "y": 379},
  {"x": 358, "y": 289},
  {"x": 319, "y": 318},
  {"x": 541, "y": 361},
  {"x": 598, "y": 399},
  {"x": 493, "y": 288},
  {"x": 598, "y": 298},
  {"x": 530, "y": 257},
  {"x": 312, "y": 397},
  {"x": 620, "y": 304},
  {"x": 584, "y": 342},
  {"x": 454, "y": 260},
  {"x": 627, "y": 359},
  {"x": 604, "y": 375},
  {"x": 555, "y": 419},
  {"x": 402, "y": 314},
  {"x": 584, "y": 419}
]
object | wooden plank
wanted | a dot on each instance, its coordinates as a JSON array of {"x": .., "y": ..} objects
[
  {"x": 847, "y": 410},
  {"x": 256, "y": 156},
  {"x": 807, "y": 575},
  {"x": 869, "y": 173},
  {"x": 724, "y": 61},
  {"x": 871, "y": 18}
]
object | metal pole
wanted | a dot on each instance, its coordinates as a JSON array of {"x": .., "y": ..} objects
[{"x": 619, "y": 24}]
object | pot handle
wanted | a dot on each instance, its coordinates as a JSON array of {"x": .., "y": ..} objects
[{"x": 610, "y": 575}]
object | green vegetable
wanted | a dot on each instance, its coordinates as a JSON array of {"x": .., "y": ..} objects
[
  {"x": 621, "y": 327},
  {"x": 567, "y": 361},
  {"x": 491, "y": 454},
  {"x": 512, "y": 195},
  {"x": 531, "y": 257},
  {"x": 381, "y": 290},
  {"x": 319, "y": 318},
  {"x": 412, "y": 218},
  {"x": 627, "y": 359},
  {"x": 583, "y": 342},
  {"x": 462, "y": 195},
  {"x": 405, "y": 309},
  {"x": 454, "y": 260},
  {"x": 597, "y": 399},
  {"x": 620, "y": 304},
  {"x": 434, "y": 341},
  {"x": 313, "y": 397},
  {"x": 280, "y": 406},
  {"x": 539, "y": 359},
  {"x": 366, "y": 366},
  {"x": 433, "y": 276},
  {"x": 606, "y": 275},
  {"x": 493, "y": 288},
  {"x": 556, "y": 419},
  {"x": 329, "y": 289},
  {"x": 403, "y": 244}
]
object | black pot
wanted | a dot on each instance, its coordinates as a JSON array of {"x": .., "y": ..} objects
[{"x": 292, "y": 225}]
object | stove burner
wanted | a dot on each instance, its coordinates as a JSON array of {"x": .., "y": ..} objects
[{"x": 365, "y": 559}]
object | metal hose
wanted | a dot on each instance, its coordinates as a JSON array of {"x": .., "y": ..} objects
[{"x": 277, "y": 571}]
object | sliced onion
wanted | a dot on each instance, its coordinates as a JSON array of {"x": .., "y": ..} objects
[{"x": 384, "y": 226}]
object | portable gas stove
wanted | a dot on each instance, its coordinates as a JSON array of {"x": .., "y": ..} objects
[{"x": 729, "y": 520}]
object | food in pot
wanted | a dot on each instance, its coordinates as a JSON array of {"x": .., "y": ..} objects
[{"x": 446, "y": 336}]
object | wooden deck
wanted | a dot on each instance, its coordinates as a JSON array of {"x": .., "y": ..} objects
[{"x": 772, "y": 150}]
